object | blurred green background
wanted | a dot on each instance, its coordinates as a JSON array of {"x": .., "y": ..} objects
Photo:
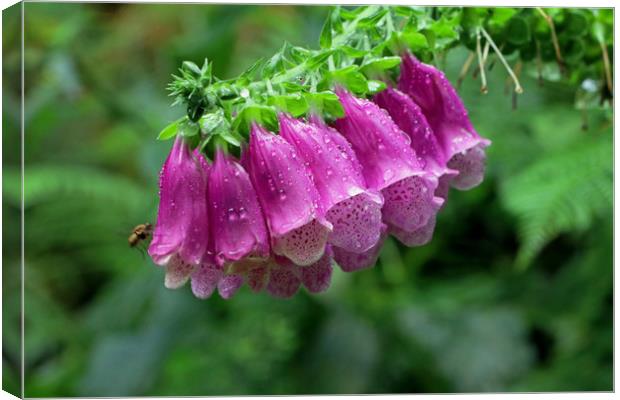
[{"x": 514, "y": 293}]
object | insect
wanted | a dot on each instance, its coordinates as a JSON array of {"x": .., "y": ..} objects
[{"x": 139, "y": 234}]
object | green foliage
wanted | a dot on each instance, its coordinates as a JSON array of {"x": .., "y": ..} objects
[{"x": 565, "y": 192}]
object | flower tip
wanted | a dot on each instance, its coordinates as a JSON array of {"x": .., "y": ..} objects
[
  {"x": 341, "y": 92},
  {"x": 257, "y": 130}
]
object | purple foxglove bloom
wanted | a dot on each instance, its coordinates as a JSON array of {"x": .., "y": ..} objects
[
  {"x": 389, "y": 163},
  {"x": 182, "y": 222},
  {"x": 352, "y": 209},
  {"x": 288, "y": 198},
  {"x": 350, "y": 262},
  {"x": 421, "y": 235},
  {"x": 237, "y": 224},
  {"x": 447, "y": 116},
  {"x": 410, "y": 119}
]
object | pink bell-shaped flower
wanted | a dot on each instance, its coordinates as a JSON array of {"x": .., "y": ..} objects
[
  {"x": 288, "y": 198},
  {"x": 448, "y": 118},
  {"x": 350, "y": 262},
  {"x": 389, "y": 163},
  {"x": 237, "y": 225},
  {"x": 181, "y": 234},
  {"x": 410, "y": 119},
  {"x": 352, "y": 209}
]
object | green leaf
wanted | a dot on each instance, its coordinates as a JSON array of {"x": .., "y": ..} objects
[
  {"x": 518, "y": 31},
  {"x": 373, "y": 20},
  {"x": 262, "y": 114},
  {"x": 192, "y": 67},
  {"x": 188, "y": 128},
  {"x": 576, "y": 24},
  {"x": 214, "y": 123},
  {"x": 501, "y": 15},
  {"x": 232, "y": 137},
  {"x": 171, "y": 130},
  {"x": 351, "y": 78},
  {"x": 254, "y": 68},
  {"x": 295, "y": 104},
  {"x": 325, "y": 40},
  {"x": 444, "y": 32},
  {"x": 352, "y": 52},
  {"x": 414, "y": 40},
  {"x": 319, "y": 59},
  {"x": 326, "y": 103},
  {"x": 375, "y": 87},
  {"x": 380, "y": 64}
]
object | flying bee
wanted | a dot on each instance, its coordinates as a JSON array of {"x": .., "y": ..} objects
[{"x": 139, "y": 234}]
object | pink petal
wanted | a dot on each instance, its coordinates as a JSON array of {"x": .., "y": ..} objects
[
  {"x": 258, "y": 278},
  {"x": 349, "y": 261},
  {"x": 471, "y": 165},
  {"x": 228, "y": 285},
  {"x": 304, "y": 245},
  {"x": 283, "y": 280},
  {"x": 357, "y": 223},
  {"x": 317, "y": 277},
  {"x": 177, "y": 272},
  {"x": 409, "y": 203},
  {"x": 204, "y": 280}
]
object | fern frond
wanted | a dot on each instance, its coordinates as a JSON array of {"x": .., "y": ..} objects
[{"x": 564, "y": 192}]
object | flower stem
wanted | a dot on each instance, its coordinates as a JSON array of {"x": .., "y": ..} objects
[
  {"x": 539, "y": 64},
  {"x": 483, "y": 78},
  {"x": 518, "y": 87},
  {"x": 464, "y": 69},
  {"x": 606, "y": 66},
  {"x": 554, "y": 39}
]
